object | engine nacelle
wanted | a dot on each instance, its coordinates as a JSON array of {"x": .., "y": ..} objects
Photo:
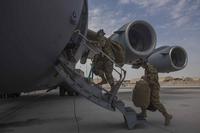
[
  {"x": 138, "y": 39},
  {"x": 169, "y": 58}
]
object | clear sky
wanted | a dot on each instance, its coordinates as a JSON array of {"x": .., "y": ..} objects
[{"x": 176, "y": 22}]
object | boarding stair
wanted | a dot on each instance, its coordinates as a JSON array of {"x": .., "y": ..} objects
[{"x": 95, "y": 93}]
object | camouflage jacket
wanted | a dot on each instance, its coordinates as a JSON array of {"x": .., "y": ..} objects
[
  {"x": 108, "y": 49},
  {"x": 151, "y": 74},
  {"x": 106, "y": 46}
]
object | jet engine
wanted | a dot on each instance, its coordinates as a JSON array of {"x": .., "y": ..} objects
[
  {"x": 169, "y": 58},
  {"x": 138, "y": 39}
]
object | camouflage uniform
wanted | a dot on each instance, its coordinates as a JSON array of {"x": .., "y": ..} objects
[
  {"x": 151, "y": 76},
  {"x": 102, "y": 66}
]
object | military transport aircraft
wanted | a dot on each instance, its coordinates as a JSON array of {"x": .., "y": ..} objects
[{"x": 41, "y": 41}]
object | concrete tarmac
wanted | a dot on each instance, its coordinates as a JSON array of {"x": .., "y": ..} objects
[{"x": 49, "y": 113}]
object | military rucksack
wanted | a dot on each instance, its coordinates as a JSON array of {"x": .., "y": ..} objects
[
  {"x": 141, "y": 94},
  {"x": 118, "y": 52}
]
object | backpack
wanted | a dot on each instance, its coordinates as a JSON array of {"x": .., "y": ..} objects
[
  {"x": 141, "y": 94},
  {"x": 118, "y": 52}
]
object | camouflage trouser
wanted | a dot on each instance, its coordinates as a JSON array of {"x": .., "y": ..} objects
[
  {"x": 155, "y": 98},
  {"x": 104, "y": 68}
]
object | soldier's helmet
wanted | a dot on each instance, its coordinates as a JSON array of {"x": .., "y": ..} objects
[{"x": 100, "y": 33}]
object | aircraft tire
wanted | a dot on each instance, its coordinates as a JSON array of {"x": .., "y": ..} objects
[{"x": 62, "y": 91}]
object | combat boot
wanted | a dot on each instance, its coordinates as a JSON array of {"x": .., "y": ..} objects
[
  {"x": 112, "y": 88},
  {"x": 168, "y": 118},
  {"x": 102, "y": 82},
  {"x": 142, "y": 115}
]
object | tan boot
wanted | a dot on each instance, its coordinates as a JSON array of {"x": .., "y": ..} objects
[
  {"x": 142, "y": 115},
  {"x": 102, "y": 82},
  {"x": 168, "y": 118}
]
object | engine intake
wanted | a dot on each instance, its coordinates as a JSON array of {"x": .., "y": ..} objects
[
  {"x": 138, "y": 39},
  {"x": 169, "y": 58}
]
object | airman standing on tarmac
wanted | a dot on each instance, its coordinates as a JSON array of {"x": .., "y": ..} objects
[
  {"x": 151, "y": 77},
  {"x": 102, "y": 66}
]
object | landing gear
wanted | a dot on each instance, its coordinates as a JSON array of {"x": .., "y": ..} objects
[
  {"x": 9, "y": 95},
  {"x": 14, "y": 95},
  {"x": 62, "y": 91},
  {"x": 66, "y": 88},
  {"x": 71, "y": 93}
]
